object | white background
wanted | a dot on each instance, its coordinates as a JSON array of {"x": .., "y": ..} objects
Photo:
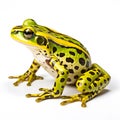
[{"x": 96, "y": 23}]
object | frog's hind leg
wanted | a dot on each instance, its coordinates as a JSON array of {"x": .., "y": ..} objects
[{"x": 90, "y": 84}]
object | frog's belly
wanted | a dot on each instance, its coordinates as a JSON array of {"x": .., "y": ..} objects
[{"x": 41, "y": 58}]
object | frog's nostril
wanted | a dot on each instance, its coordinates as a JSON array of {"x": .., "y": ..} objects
[{"x": 15, "y": 31}]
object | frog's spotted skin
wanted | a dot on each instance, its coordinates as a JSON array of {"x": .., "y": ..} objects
[{"x": 64, "y": 58}]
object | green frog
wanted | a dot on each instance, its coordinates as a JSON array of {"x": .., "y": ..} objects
[{"x": 65, "y": 58}]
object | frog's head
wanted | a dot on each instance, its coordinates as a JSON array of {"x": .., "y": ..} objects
[{"x": 30, "y": 34}]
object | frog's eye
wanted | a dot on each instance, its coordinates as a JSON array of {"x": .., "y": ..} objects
[
  {"x": 28, "y": 33},
  {"x": 41, "y": 40}
]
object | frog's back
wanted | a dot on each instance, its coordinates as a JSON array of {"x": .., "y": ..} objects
[
  {"x": 61, "y": 36},
  {"x": 53, "y": 33}
]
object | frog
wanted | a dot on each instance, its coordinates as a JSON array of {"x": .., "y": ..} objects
[{"x": 64, "y": 58}]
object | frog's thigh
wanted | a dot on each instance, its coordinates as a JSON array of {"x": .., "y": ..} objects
[{"x": 93, "y": 80}]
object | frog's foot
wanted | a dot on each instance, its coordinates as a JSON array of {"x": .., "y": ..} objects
[
  {"x": 46, "y": 94},
  {"x": 30, "y": 77},
  {"x": 79, "y": 97}
]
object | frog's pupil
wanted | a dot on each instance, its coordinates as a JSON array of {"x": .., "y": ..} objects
[{"x": 28, "y": 33}]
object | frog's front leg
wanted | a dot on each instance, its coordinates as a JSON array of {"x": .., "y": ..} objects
[
  {"x": 59, "y": 83},
  {"x": 90, "y": 84},
  {"x": 29, "y": 75}
]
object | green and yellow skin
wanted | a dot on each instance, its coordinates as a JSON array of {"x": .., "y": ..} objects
[{"x": 64, "y": 58}]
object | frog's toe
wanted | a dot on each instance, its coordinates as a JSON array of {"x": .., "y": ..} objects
[
  {"x": 45, "y": 89},
  {"x": 32, "y": 95},
  {"x": 65, "y": 102},
  {"x": 13, "y": 77},
  {"x": 44, "y": 97},
  {"x": 17, "y": 83}
]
